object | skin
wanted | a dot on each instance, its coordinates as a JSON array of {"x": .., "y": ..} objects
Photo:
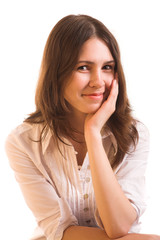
[
  {"x": 92, "y": 94},
  {"x": 90, "y": 70},
  {"x": 87, "y": 233}
]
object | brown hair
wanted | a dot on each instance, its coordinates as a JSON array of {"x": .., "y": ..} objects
[{"x": 59, "y": 59}]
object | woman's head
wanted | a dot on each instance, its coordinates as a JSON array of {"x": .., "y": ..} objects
[
  {"x": 61, "y": 55},
  {"x": 91, "y": 80}
]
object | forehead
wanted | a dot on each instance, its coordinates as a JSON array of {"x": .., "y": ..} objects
[{"x": 95, "y": 49}]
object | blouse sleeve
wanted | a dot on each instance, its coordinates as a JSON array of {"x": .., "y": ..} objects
[
  {"x": 131, "y": 173},
  {"x": 52, "y": 213}
]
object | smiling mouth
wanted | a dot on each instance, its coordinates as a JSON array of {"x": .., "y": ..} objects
[{"x": 94, "y": 96}]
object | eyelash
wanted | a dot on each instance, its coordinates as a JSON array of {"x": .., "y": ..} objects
[
  {"x": 81, "y": 68},
  {"x": 106, "y": 67}
]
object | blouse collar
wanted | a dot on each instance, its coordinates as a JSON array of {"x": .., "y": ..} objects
[{"x": 105, "y": 134}]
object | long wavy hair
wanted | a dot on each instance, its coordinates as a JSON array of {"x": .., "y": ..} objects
[{"x": 59, "y": 59}]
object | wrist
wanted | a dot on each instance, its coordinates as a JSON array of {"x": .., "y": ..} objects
[{"x": 92, "y": 134}]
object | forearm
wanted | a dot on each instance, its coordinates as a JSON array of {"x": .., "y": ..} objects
[
  {"x": 90, "y": 233},
  {"x": 116, "y": 212},
  {"x": 85, "y": 233}
]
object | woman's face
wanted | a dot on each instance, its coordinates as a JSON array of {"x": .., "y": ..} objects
[{"x": 90, "y": 81}]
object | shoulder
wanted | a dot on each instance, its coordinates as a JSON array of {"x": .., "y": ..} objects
[
  {"x": 22, "y": 129},
  {"x": 142, "y": 130},
  {"x": 23, "y": 134},
  {"x": 137, "y": 157},
  {"x": 23, "y": 147},
  {"x": 26, "y": 130},
  {"x": 143, "y": 134},
  {"x": 142, "y": 144}
]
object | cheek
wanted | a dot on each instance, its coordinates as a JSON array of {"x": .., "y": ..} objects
[
  {"x": 78, "y": 81},
  {"x": 73, "y": 89}
]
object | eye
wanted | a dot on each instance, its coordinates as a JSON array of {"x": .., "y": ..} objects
[
  {"x": 83, "y": 68},
  {"x": 107, "y": 67}
]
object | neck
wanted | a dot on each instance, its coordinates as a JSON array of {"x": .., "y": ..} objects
[{"x": 77, "y": 123}]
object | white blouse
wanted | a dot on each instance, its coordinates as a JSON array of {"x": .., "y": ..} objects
[{"x": 59, "y": 193}]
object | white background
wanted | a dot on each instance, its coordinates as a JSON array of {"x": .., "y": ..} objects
[{"x": 24, "y": 28}]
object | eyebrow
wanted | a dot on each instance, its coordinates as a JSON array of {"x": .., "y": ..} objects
[{"x": 89, "y": 62}]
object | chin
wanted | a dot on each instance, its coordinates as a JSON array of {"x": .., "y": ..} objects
[{"x": 93, "y": 110}]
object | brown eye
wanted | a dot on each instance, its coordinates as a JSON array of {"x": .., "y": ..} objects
[
  {"x": 83, "y": 68},
  {"x": 107, "y": 67}
]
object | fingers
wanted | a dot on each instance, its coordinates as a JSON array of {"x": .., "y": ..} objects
[
  {"x": 114, "y": 89},
  {"x": 108, "y": 107},
  {"x": 112, "y": 98}
]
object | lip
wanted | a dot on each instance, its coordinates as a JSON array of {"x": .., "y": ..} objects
[{"x": 94, "y": 96}]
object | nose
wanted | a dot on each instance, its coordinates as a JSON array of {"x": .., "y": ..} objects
[{"x": 96, "y": 80}]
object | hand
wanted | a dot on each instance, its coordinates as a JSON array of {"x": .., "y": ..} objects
[
  {"x": 152, "y": 237},
  {"x": 139, "y": 236},
  {"x": 95, "y": 121}
]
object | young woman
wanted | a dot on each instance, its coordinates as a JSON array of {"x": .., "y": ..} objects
[{"x": 80, "y": 158}]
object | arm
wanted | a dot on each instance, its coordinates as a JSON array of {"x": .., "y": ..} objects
[
  {"x": 116, "y": 212},
  {"x": 87, "y": 233},
  {"x": 52, "y": 213},
  {"x": 131, "y": 174}
]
